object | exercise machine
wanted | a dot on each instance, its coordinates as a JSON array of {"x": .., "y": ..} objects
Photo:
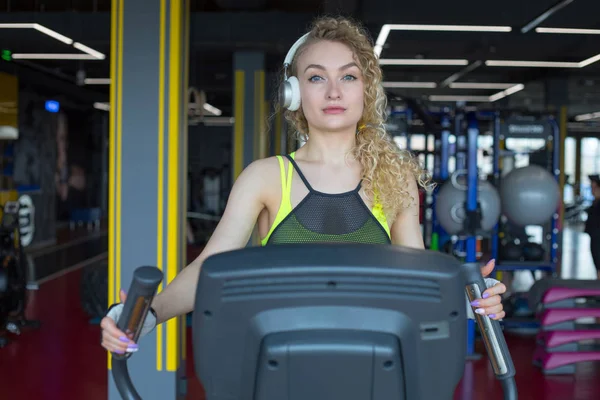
[
  {"x": 13, "y": 278},
  {"x": 327, "y": 321}
]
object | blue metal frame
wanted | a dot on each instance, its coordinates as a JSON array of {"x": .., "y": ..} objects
[
  {"x": 551, "y": 265},
  {"x": 471, "y": 205}
]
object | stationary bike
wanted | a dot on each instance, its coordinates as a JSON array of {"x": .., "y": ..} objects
[{"x": 13, "y": 276}]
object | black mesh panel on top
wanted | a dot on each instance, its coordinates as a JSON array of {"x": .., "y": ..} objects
[{"x": 322, "y": 217}]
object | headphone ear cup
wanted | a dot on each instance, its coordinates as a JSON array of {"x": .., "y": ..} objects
[{"x": 294, "y": 94}]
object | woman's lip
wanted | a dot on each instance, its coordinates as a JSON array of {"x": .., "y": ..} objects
[{"x": 334, "y": 110}]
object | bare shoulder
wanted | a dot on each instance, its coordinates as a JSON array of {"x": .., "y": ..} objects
[{"x": 259, "y": 177}]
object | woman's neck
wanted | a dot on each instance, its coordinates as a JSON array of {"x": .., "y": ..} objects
[{"x": 328, "y": 148}]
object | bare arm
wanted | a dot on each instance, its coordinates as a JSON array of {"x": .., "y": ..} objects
[
  {"x": 233, "y": 232},
  {"x": 406, "y": 229}
]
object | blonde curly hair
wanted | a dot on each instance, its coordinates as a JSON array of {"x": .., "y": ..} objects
[{"x": 387, "y": 169}]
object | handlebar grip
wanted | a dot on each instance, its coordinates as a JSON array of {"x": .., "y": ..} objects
[
  {"x": 491, "y": 331},
  {"x": 143, "y": 288}
]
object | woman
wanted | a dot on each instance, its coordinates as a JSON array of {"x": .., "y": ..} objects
[
  {"x": 348, "y": 183},
  {"x": 592, "y": 224}
]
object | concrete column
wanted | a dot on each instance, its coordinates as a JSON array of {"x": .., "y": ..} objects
[{"x": 147, "y": 172}]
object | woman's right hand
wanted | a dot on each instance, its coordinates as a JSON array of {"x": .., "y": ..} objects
[{"x": 115, "y": 340}]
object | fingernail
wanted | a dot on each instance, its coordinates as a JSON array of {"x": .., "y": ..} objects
[
  {"x": 480, "y": 311},
  {"x": 124, "y": 292},
  {"x": 133, "y": 346},
  {"x": 131, "y": 350},
  {"x": 475, "y": 303},
  {"x": 124, "y": 339},
  {"x": 492, "y": 315},
  {"x": 119, "y": 351},
  {"x": 493, "y": 260},
  {"x": 486, "y": 295}
]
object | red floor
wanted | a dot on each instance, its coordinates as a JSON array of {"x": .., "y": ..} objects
[{"x": 63, "y": 360}]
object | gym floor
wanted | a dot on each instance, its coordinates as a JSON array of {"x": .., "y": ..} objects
[{"x": 63, "y": 360}]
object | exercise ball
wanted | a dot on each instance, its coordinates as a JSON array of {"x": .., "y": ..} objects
[
  {"x": 450, "y": 205},
  {"x": 530, "y": 195}
]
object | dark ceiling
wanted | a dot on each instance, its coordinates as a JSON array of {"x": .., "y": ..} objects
[{"x": 219, "y": 27}]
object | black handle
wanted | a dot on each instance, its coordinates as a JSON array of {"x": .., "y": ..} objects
[
  {"x": 139, "y": 298},
  {"x": 491, "y": 332}
]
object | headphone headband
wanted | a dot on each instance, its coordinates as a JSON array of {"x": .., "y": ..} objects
[
  {"x": 292, "y": 51},
  {"x": 290, "y": 90}
]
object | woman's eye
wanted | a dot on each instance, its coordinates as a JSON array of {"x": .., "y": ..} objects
[
  {"x": 314, "y": 78},
  {"x": 349, "y": 78}
]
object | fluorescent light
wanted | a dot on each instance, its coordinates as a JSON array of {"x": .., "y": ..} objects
[
  {"x": 572, "y": 31},
  {"x": 381, "y": 39},
  {"x": 545, "y": 15},
  {"x": 55, "y": 35},
  {"x": 386, "y": 28},
  {"x": 585, "y": 117},
  {"x": 218, "y": 121},
  {"x": 512, "y": 90},
  {"x": 477, "y": 85},
  {"x": 540, "y": 64},
  {"x": 89, "y": 50},
  {"x": 52, "y": 56},
  {"x": 416, "y": 61},
  {"x": 16, "y": 25},
  {"x": 457, "y": 75},
  {"x": 52, "y": 34},
  {"x": 212, "y": 109},
  {"x": 416, "y": 85},
  {"x": 39, "y": 28},
  {"x": 589, "y": 61},
  {"x": 96, "y": 81},
  {"x": 483, "y": 99},
  {"x": 102, "y": 106},
  {"x": 458, "y": 98},
  {"x": 449, "y": 28}
]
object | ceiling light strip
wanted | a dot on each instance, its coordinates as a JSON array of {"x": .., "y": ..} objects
[
  {"x": 449, "y": 28},
  {"x": 569, "y": 31},
  {"x": 477, "y": 85},
  {"x": 52, "y": 56},
  {"x": 91, "y": 54},
  {"x": 539, "y": 64},
  {"x": 422, "y": 61},
  {"x": 586, "y": 117},
  {"x": 545, "y": 15},
  {"x": 410, "y": 85}
]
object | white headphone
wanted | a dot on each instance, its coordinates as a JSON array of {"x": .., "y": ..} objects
[{"x": 289, "y": 96}]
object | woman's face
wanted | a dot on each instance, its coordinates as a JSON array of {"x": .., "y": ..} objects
[{"x": 331, "y": 86}]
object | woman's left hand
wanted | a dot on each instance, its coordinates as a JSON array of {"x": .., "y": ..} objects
[{"x": 491, "y": 302}]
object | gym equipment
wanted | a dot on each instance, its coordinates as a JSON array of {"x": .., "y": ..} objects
[
  {"x": 562, "y": 363},
  {"x": 540, "y": 287},
  {"x": 559, "y": 343},
  {"x": 533, "y": 251},
  {"x": 564, "y": 318},
  {"x": 141, "y": 293},
  {"x": 451, "y": 199},
  {"x": 94, "y": 289},
  {"x": 559, "y": 340},
  {"x": 332, "y": 321},
  {"x": 530, "y": 195},
  {"x": 13, "y": 279},
  {"x": 290, "y": 89},
  {"x": 566, "y": 297},
  {"x": 511, "y": 252}
]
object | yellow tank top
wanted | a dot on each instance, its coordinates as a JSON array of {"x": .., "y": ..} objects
[{"x": 323, "y": 217}]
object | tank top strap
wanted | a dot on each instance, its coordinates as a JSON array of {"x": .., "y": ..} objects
[
  {"x": 286, "y": 186},
  {"x": 300, "y": 174}
]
